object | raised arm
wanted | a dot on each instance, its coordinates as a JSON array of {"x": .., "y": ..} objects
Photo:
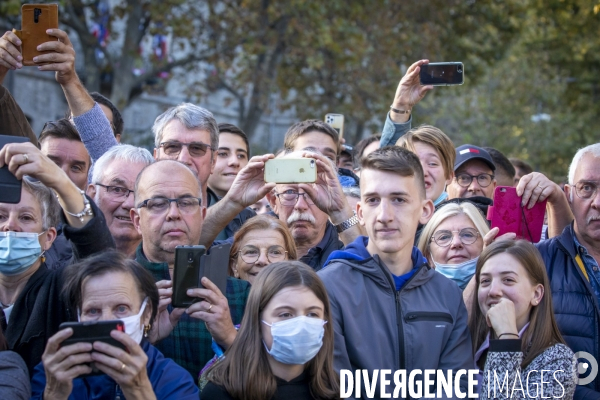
[
  {"x": 91, "y": 123},
  {"x": 408, "y": 93},
  {"x": 247, "y": 188}
]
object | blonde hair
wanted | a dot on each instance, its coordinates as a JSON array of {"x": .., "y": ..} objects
[
  {"x": 435, "y": 138},
  {"x": 445, "y": 212}
]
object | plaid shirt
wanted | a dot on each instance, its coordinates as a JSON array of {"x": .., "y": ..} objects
[{"x": 189, "y": 345}]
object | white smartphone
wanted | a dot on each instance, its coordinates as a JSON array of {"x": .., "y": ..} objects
[
  {"x": 336, "y": 121},
  {"x": 291, "y": 170}
]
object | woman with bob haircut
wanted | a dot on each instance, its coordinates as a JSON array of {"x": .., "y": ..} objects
[
  {"x": 437, "y": 154},
  {"x": 284, "y": 348},
  {"x": 452, "y": 241},
  {"x": 261, "y": 241},
  {"x": 513, "y": 326}
]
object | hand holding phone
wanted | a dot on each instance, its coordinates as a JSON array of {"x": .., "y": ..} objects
[
  {"x": 509, "y": 215},
  {"x": 291, "y": 170},
  {"x": 35, "y": 20},
  {"x": 90, "y": 332},
  {"x": 442, "y": 74}
]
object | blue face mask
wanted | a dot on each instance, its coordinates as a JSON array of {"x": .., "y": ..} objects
[
  {"x": 18, "y": 251},
  {"x": 296, "y": 340},
  {"x": 459, "y": 273},
  {"x": 441, "y": 197}
]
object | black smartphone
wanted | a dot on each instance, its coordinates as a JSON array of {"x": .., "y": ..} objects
[
  {"x": 214, "y": 266},
  {"x": 93, "y": 331},
  {"x": 442, "y": 74},
  {"x": 10, "y": 186},
  {"x": 186, "y": 274}
]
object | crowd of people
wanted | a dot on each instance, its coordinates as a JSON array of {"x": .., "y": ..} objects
[{"x": 387, "y": 261}]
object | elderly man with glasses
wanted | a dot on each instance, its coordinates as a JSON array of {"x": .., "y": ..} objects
[
  {"x": 113, "y": 180},
  {"x": 168, "y": 212},
  {"x": 572, "y": 261}
]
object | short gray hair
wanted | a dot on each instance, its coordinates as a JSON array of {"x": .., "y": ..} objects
[
  {"x": 593, "y": 149},
  {"x": 190, "y": 115},
  {"x": 125, "y": 152},
  {"x": 352, "y": 191},
  {"x": 47, "y": 201}
]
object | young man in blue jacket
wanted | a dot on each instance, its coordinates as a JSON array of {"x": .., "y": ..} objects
[{"x": 390, "y": 309}]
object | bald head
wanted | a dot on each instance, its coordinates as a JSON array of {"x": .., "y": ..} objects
[
  {"x": 163, "y": 229},
  {"x": 164, "y": 171}
]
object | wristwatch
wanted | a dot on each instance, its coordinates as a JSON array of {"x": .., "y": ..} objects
[{"x": 347, "y": 224}]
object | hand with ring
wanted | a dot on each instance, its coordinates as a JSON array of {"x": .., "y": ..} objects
[
  {"x": 126, "y": 367},
  {"x": 214, "y": 311}
]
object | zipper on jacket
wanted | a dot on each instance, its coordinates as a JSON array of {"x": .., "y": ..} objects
[
  {"x": 428, "y": 316},
  {"x": 398, "y": 313}
]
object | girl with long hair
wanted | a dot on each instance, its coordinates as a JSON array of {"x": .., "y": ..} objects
[
  {"x": 284, "y": 348},
  {"x": 513, "y": 326}
]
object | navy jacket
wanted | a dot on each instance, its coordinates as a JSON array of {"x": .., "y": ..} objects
[
  {"x": 575, "y": 305},
  {"x": 169, "y": 381}
]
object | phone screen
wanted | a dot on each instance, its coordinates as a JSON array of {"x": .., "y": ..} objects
[{"x": 442, "y": 74}]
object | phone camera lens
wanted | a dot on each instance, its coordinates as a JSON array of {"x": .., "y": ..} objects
[{"x": 459, "y": 70}]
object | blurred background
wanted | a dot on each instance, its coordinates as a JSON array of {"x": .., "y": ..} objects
[{"x": 532, "y": 67}]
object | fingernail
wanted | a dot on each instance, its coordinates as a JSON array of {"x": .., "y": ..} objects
[
  {"x": 48, "y": 30},
  {"x": 18, "y": 42},
  {"x": 19, "y": 65},
  {"x": 189, "y": 292},
  {"x": 19, "y": 58}
]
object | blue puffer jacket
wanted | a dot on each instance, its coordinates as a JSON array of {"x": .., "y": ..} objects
[
  {"x": 575, "y": 306},
  {"x": 169, "y": 381}
]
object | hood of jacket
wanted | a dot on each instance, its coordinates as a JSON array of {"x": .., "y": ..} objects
[{"x": 358, "y": 257}]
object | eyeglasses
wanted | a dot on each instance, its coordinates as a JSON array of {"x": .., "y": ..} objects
[
  {"x": 484, "y": 180},
  {"x": 159, "y": 205},
  {"x": 443, "y": 238},
  {"x": 290, "y": 197},
  {"x": 251, "y": 253},
  {"x": 196, "y": 149},
  {"x": 586, "y": 189},
  {"x": 116, "y": 192}
]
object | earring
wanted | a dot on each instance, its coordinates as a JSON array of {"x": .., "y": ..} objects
[
  {"x": 236, "y": 273},
  {"x": 146, "y": 330}
]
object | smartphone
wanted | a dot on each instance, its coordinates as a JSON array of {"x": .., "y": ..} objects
[
  {"x": 10, "y": 186},
  {"x": 93, "y": 331},
  {"x": 35, "y": 20},
  {"x": 336, "y": 121},
  {"x": 509, "y": 216},
  {"x": 442, "y": 74},
  {"x": 214, "y": 266},
  {"x": 186, "y": 274},
  {"x": 291, "y": 170}
]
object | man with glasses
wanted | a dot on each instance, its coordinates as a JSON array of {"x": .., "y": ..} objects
[
  {"x": 189, "y": 134},
  {"x": 473, "y": 173},
  {"x": 572, "y": 261},
  {"x": 168, "y": 212},
  {"x": 113, "y": 181}
]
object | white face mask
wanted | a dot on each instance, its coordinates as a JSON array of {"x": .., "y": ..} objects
[{"x": 133, "y": 324}]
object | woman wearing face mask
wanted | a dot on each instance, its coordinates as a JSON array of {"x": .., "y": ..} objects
[
  {"x": 111, "y": 287},
  {"x": 262, "y": 240},
  {"x": 284, "y": 348},
  {"x": 437, "y": 154},
  {"x": 453, "y": 239},
  {"x": 32, "y": 308},
  {"x": 513, "y": 326}
]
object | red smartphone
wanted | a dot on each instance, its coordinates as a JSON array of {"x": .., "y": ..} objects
[{"x": 508, "y": 215}]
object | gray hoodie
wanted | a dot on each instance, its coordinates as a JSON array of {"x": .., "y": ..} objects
[{"x": 422, "y": 326}]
